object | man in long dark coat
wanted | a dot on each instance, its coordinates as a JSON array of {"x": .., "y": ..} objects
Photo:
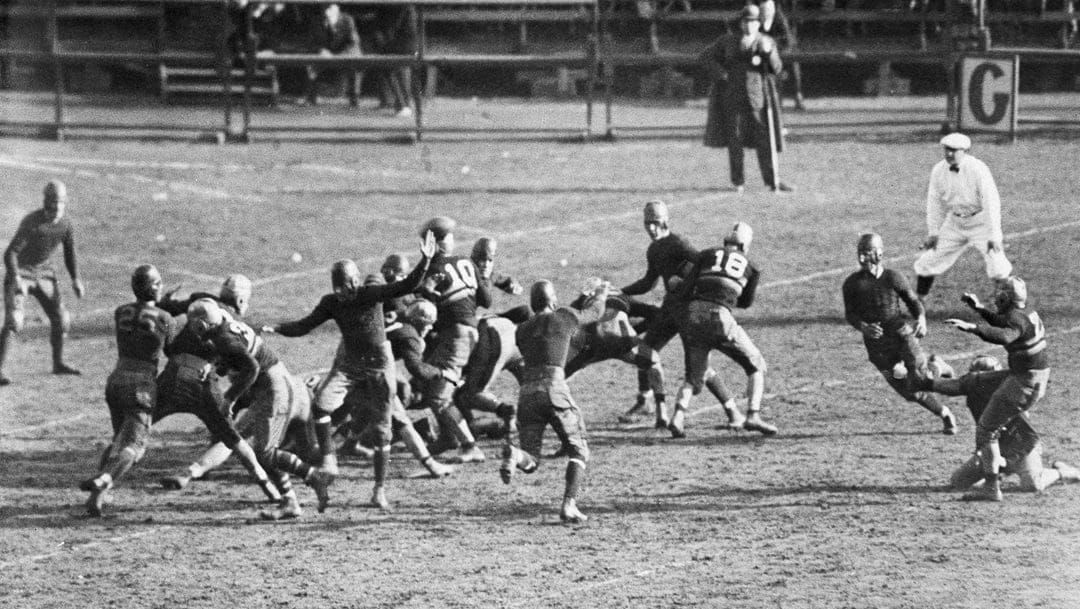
[{"x": 744, "y": 106}]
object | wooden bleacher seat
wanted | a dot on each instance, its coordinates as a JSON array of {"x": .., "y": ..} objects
[{"x": 202, "y": 82}]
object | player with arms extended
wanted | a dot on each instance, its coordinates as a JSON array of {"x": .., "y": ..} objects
[
  {"x": 364, "y": 360},
  {"x": 453, "y": 284},
  {"x": 722, "y": 279},
  {"x": 545, "y": 397},
  {"x": 142, "y": 331},
  {"x": 874, "y": 301},
  {"x": 1020, "y": 330}
]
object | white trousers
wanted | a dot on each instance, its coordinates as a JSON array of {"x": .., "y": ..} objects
[{"x": 956, "y": 235}]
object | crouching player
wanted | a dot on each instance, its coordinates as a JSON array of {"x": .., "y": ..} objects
[
  {"x": 545, "y": 397},
  {"x": 274, "y": 394},
  {"x": 190, "y": 384},
  {"x": 142, "y": 331},
  {"x": 1020, "y": 444}
]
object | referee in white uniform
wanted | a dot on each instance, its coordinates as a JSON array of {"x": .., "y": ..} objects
[{"x": 963, "y": 210}]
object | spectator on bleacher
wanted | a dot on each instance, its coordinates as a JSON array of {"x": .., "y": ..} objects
[
  {"x": 334, "y": 33},
  {"x": 744, "y": 104},
  {"x": 261, "y": 32},
  {"x": 397, "y": 25}
]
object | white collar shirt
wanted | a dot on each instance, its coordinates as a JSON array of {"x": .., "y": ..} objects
[{"x": 964, "y": 194}]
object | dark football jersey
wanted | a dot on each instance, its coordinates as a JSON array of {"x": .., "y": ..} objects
[
  {"x": 1018, "y": 438},
  {"x": 725, "y": 276},
  {"x": 360, "y": 319},
  {"x": 1022, "y": 333},
  {"x": 458, "y": 291},
  {"x": 880, "y": 300},
  {"x": 544, "y": 340},
  {"x": 237, "y": 347},
  {"x": 667, "y": 258},
  {"x": 142, "y": 330}
]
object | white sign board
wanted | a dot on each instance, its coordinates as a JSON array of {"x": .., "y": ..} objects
[{"x": 988, "y": 92}]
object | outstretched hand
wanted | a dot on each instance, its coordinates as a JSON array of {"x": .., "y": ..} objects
[
  {"x": 427, "y": 245},
  {"x": 959, "y": 324},
  {"x": 267, "y": 330}
]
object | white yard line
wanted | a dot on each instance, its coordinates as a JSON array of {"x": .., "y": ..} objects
[
  {"x": 183, "y": 187},
  {"x": 89, "y": 545}
]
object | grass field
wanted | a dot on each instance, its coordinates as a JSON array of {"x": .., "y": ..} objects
[{"x": 843, "y": 508}]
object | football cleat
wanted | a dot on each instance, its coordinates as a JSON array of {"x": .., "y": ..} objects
[
  {"x": 289, "y": 510},
  {"x": 438, "y": 470},
  {"x": 736, "y": 420},
  {"x": 570, "y": 514},
  {"x": 635, "y": 411},
  {"x": 175, "y": 483},
  {"x": 470, "y": 455},
  {"x": 320, "y": 481},
  {"x": 378, "y": 499},
  {"x": 755, "y": 423},
  {"x": 63, "y": 368},
  {"x": 988, "y": 491},
  {"x": 678, "y": 422},
  {"x": 95, "y": 504},
  {"x": 1068, "y": 472}
]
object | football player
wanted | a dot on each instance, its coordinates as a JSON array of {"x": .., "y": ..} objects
[
  {"x": 276, "y": 400},
  {"x": 364, "y": 361},
  {"x": 875, "y": 302},
  {"x": 722, "y": 279},
  {"x": 1018, "y": 442},
  {"x": 142, "y": 331},
  {"x": 670, "y": 258},
  {"x": 1020, "y": 330},
  {"x": 234, "y": 295},
  {"x": 545, "y": 397},
  {"x": 189, "y": 383},
  {"x": 406, "y": 342},
  {"x": 453, "y": 284},
  {"x": 28, "y": 272}
]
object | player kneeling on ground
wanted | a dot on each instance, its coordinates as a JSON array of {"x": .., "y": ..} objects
[{"x": 1020, "y": 444}]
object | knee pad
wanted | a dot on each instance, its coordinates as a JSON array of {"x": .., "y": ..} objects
[{"x": 64, "y": 319}]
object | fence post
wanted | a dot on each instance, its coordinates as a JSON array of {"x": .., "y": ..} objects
[{"x": 53, "y": 28}]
